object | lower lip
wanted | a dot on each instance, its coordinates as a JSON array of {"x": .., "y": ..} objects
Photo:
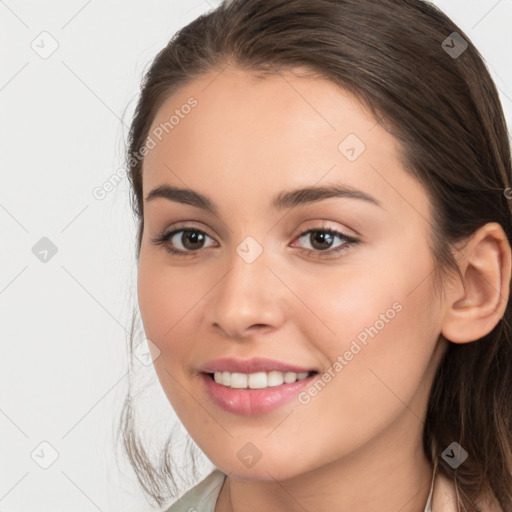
[{"x": 253, "y": 401}]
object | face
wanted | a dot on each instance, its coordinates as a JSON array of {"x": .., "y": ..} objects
[{"x": 332, "y": 283}]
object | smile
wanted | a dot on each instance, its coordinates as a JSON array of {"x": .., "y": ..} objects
[
  {"x": 272, "y": 393},
  {"x": 258, "y": 380}
]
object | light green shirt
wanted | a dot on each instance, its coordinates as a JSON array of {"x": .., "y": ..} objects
[{"x": 203, "y": 496}]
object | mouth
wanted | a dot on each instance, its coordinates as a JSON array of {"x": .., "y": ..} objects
[
  {"x": 257, "y": 380},
  {"x": 261, "y": 398}
]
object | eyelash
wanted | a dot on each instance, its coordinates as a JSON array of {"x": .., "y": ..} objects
[{"x": 163, "y": 240}]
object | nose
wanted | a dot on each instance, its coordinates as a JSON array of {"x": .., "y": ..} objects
[{"x": 248, "y": 300}]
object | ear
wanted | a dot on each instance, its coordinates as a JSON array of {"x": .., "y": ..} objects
[{"x": 475, "y": 307}]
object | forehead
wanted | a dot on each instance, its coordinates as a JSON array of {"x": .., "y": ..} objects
[
  {"x": 267, "y": 134},
  {"x": 235, "y": 106}
]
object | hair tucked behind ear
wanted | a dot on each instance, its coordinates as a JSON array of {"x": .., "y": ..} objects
[{"x": 446, "y": 114}]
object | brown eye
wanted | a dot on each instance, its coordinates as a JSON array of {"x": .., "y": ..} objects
[
  {"x": 322, "y": 240},
  {"x": 192, "y": 239},
  {"x": 182, "y": 242}
]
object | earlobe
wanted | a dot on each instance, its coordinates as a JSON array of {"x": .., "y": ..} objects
[{"x": 474, "y": 308}]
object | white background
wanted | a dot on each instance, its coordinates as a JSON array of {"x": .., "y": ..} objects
[{"x": 64, "y": 323}]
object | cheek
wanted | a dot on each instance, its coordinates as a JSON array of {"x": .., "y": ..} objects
[
  {"x": 344, "y": 307},
  {"x": 166, "y": 299},
  {"x": 382, "y": 302},
  {"x": 379, "y": 324},
  {"x": 165, "y": 296}
]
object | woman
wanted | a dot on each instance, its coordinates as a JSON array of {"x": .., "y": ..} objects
[{"x": 322, "y": 189}]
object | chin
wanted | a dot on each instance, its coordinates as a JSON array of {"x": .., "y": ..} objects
[{"x": 269, "y": 470}]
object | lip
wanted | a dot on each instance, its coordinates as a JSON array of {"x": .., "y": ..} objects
[
  {"x": 256, "y": 364},
  {"x": 252, "y": 401}
]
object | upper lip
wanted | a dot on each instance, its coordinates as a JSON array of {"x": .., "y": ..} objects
[{"x": 257, "y": 364}]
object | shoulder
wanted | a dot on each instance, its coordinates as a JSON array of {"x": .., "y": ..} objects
[
  {"x": 444, "y": 497},
  {"x": 203, "y": 496}
]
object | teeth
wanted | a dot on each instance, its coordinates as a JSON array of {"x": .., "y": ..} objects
[{"x": 257, "y": 380}]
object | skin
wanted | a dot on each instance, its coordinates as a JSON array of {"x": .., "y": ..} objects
[{"x": 357, "y": 444}]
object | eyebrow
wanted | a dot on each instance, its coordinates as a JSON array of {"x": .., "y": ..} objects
[{"x": 283, "y": 200}]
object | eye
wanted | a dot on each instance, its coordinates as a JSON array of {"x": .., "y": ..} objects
[
  {"x": 321, "y": 240},
  {"x": 191, "y": 240}
]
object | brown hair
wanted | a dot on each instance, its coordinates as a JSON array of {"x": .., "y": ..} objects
[{"x": 445, "y": 111}]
